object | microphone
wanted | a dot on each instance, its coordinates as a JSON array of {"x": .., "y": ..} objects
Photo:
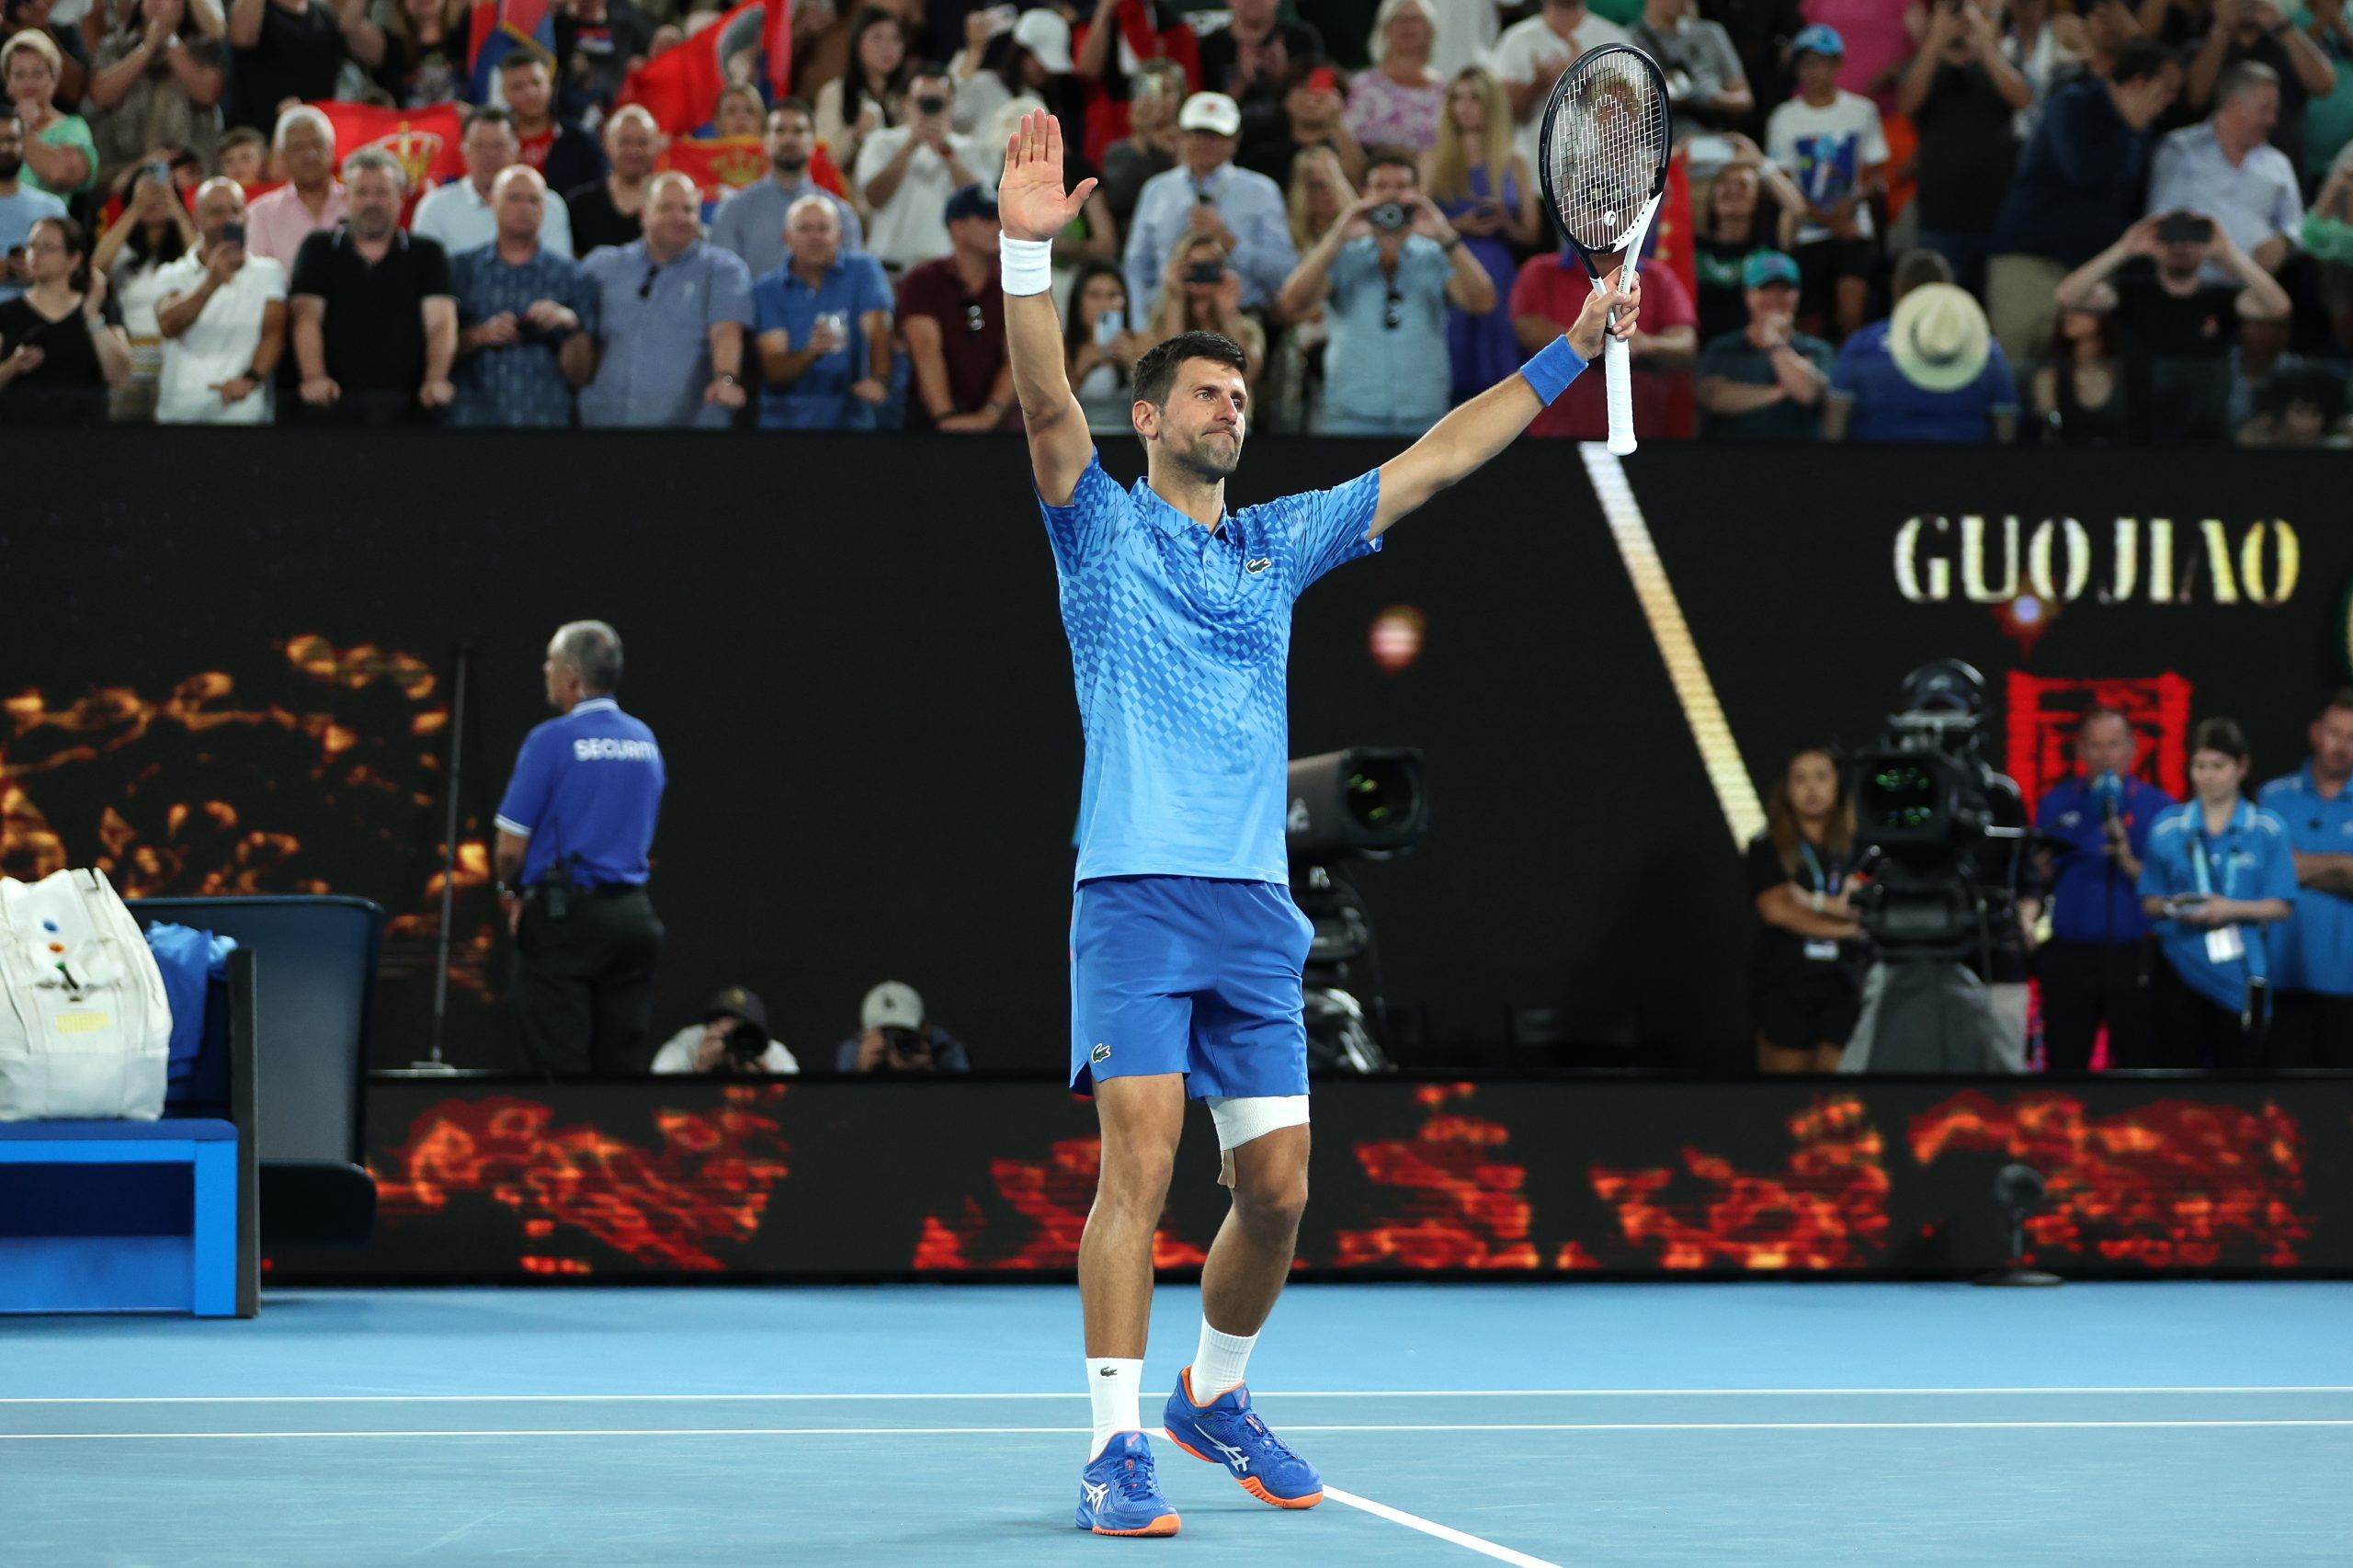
[{"x": 2109, "y": 787}]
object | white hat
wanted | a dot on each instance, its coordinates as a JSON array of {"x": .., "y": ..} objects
[
  {"x": 1938, "y": 337},
  {"x": 1212, "y": 112},
  {"x": 1044, "y": 34},
  {"x": 893, "y": 1004}
]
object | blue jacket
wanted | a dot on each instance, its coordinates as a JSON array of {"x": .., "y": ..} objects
[{"x": 2079, "y": 181}]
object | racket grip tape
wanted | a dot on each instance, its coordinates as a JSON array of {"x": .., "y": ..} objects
[{"x": 1620, "y": 378}]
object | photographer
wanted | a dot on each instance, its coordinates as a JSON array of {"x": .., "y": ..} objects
[
  {"x": 2220, "y": 870},
  {"x": 894, "y": 1037},
  {"x": 733, "y": 1038},
  {"x": 1805, "y": 987},
  {"x": 906, "y": 173}
]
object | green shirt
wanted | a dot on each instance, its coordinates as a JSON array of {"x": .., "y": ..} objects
[
  {"x": 2328, "y": 121},
  {"x": 1736, "y": 359},
  {"x": 73, "y": 131},
  {"x": 1625, "y": 13}
]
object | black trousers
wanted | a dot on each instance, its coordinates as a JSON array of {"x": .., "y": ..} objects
[
  {"x": 584, "y": 984},
  {"x": 2310, "y": 1030},
  {"x": 2087, "y": 984},
  {"x": 2193, "y": 1032}
]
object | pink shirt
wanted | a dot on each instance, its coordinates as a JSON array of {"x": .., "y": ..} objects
[
  {"x": 278, "y": 223},
  {"x": 1875, "y": 37},
  {"x": 1382, "y": 114}
]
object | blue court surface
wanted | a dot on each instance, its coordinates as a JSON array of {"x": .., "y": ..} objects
[{"x": 1762, "y": 1424}]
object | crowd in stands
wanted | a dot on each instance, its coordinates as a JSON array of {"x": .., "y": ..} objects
[{"x": 2080, "y": 221}]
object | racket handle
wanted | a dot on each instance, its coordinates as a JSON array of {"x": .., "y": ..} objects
[{"x": 1620, "y": 377}]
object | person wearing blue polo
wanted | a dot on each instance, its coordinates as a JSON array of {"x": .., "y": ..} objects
[
  {"x": 824, "y": 321},
  {"x": 573, "y": 830},
  {"x": 2095, "y": 968},
  {"x": 2313, "y": 1025},
  {"x": 2219, "y": 874},
  {"x": 1186, "y": 947}
]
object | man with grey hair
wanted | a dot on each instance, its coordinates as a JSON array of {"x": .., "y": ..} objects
[
  {"x": 2225, "y": 168},
  {"x": 573, "y": 830},
  {"x": 312, "y": 197},
  {"x": 375, "y": 314}
]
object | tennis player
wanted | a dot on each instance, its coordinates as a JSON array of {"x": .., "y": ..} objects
[{"x": 1186, "y": 949}]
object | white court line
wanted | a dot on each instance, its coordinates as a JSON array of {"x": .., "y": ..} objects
[
  {"x": 1270, "y": 1393},
  {"x": 1067, "y": 1431},
  {"x": 1443, "y": 1532}
]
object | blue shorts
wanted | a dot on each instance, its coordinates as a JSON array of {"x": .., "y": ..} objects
[{"x": 1191, "y": 975}]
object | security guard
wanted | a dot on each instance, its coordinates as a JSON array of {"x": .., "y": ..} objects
[
  {"x": 572, "y": 835},
  {"x": 2095, "y": 968},
  {"x": 2313, "y": 1023}
]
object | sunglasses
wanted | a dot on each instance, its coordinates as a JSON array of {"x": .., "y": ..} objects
[
  {"x": 1395, "y": 316},
  {"x": 974, "y": 321},
  {"x": 645, "y": 289}
]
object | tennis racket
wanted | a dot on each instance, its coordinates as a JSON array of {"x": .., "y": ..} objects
[{"x": 1601, "y": 153}]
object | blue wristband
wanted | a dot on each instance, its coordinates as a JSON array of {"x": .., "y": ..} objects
[{"x": 1554, "y": 367}]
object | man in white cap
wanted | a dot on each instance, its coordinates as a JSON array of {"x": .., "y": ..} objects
[
  {"x": 1206, "y": 194},
  {"x": 894, "y": 1037},
  {"x": 1930, "y": 372}
]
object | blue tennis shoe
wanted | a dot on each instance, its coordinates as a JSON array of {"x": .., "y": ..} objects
[
  {"x": 1227, "y": 1431},
  {"x": 1120, "y": 1493}
]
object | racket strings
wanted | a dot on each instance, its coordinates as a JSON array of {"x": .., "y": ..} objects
[{"x": 1609, "y": 143}]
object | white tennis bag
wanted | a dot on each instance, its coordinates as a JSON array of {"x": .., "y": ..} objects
[{"x": 85, "y": 1028}]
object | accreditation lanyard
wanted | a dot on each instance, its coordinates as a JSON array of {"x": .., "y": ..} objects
[
  {"x": 2225, "y": 944},
  {"x": 1819, "y": 949}
]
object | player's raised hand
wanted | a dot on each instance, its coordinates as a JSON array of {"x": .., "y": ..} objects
[{"x": 1031, "y": 202}]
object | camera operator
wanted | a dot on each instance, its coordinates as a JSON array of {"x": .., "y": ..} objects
[
  {"x": 2096, "y": 967},
  {"x": 894, "y": 1037},
  {"x": 733, "y": 1038},
  {"x": 574, "y": 831},
  {"x": 1805, "y": 986},
  {"x": 2314, "y": 954},
  {"x": 2220, "y": 870}
]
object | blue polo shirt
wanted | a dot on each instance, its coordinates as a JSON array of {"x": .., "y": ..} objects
[
  {"x": 2250, "y": 860},
  {"x": 2093, "y": 900},
  {"x": 2316, "y": 949},
  {"x": 586, "y": 786},
  {"x": 782, "y": 302},
  {"x": 1180, "y": 642}
]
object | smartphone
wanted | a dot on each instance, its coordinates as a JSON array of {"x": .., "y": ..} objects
[
  {"x": 233, "y": 234},
  {"x": 1322, "y": 79},
  {"x": 160, "y": 173},
  {"x": 1205, "y": 272},
  {"x": 1001, "y": 19},
  {"x": 2184, "y": 228},
  {"x": 1108, "y": 325}
]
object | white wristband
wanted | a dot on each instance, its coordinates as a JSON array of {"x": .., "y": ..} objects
[{"x": 1027, "y": 265}]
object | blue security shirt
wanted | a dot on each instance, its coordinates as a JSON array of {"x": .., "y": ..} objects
[
  {"x": 586, "y": 786},
  {"x": 2316, "y": 951},
  {"x": 2250, "y": 860},
  {"x": 2093, "y": 900},
  {"x": 782, "y": 302},
  {"x": 1180, "y": 642}
]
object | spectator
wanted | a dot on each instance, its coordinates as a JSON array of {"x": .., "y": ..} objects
[
  {"x": 1829, "y": 141},
  {"x": 1467, "y": 30},
  {"x": 1390, "y": 270},
  {"x": 1101, "y": 346},
  {"x": 2040, "y": 48},
  {"x": 2078, "y": 184},
  {"x": 671, "y": 311},
  {"x": 597, "y": 44},
  {"x": 951, "y": 316},
  {"x": 1929, "y": 372},
  {"x": 527, "y": 317},
  {"x": 154, "y": 231},
  {"x": 907, "y": 172},
  {"x": 2259, "y": 358},
  {"x": 1487, "y": 192},
  {"x": 1315, "y": 115},
  {"x": 2095, "y": 967},
  {"x": 609, "y": 211},
  {"x": 2299, "y": 406},
  {"x": 1704, "y": 79},
  {"x": 73, "y": 50},
  {"x": 62, "y": 344},
  {"x": 2254, "y": 32},
  {"x": 1765, "y": 383},
  {"x": 1200, "y": 292},
  {"x": 2175, "y": 24},
  {"x": 59, "y": 157},
  {"x": 824, "y": 320},
  {"x": 1254, "y": 60},
  {"x": 244, "y": 157},
  {"x": 1760, "y": 32},
  {"x": 2328, "y": 237},
  {"x": 222, "y": 314},
  {"x": 2224, "y": 169},
  {"x": 375, "y": 324},
  {"x": 1317, "y": 197},
  {"x": 1805, "y": 982},
  {"x": 2328, "y": 118},
  {"x": 731, "y": 1038},
  {"x": 152, "y": 85},
  {"x": 2314, "y": 953},
  {"x": 1882, "y": 37},
  {"x": 2080, "y": 398},
  {"x": 866, "y": 99},
  {"x": 2181, "y": 327},
  {"x": 1398, "y": 102},
  {"x": 285, "y": 51},
  {"x": 311, "y": 202},
  {"x": 2218, "y": 871},
  {"x": 458, "y": 216},
  {"x": 1531, "y": 54},
  {"x": 1552, "y": 287},
  {"x": 417, "y": 55},
  {"x": 1964, "y": 98},
  {"x": 566, "y": 156},
  {"x": 1036, "y": 63},
  {"x": 739, "y": 114},
  {"x": 1114, "y": 47},
  {"x": 895, "y": 1035},
  {"x": 750, "y": 221},
  {"x": 1150, "y": 146},
  {"x": 1208, "y": 194},
  {"x": 21, "y": 206},
  {"x": 1750, "y": 206}
]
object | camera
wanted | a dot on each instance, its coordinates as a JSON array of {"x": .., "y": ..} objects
[
  {"x": 2184, "y": 228},
  {"x": 1389, "y": 217},
  {"x": 906, "y": 1044},
  {"x": 746, "y": 1043},
  {"x": 932, "y": 103},
  {"x": 1205, "y": 272}
]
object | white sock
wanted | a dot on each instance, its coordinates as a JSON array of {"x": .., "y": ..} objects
[
  {"x": 1112, "y": 1387},
  {"x": 1217, "y": 1364}
]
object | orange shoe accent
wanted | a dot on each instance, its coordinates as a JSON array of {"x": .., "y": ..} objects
[
  {"x": 1165, "y": 1525},
  {"x": 1257, "y": 1488},
  {"x": 1186, "y": 1378}
]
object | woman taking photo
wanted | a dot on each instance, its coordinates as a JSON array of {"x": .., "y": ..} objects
[
  {"x": 2219, "y": 870},
  {"x": 1100, "y": 349},
  {"x": 865, "y": 98},
  {"x": 1199, "y": 292},
  {"x": 1488, "y": 194},
  {"x": 154, "y": 231},
  {"x": 1805, "y": 987},
  {"x": 62, "y": 344}
]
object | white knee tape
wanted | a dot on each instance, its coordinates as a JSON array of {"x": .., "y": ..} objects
[{"x": 1241, "y": 1118}]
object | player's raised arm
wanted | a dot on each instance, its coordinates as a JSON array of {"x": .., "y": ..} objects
[{"x": 1032, "y": 209}]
